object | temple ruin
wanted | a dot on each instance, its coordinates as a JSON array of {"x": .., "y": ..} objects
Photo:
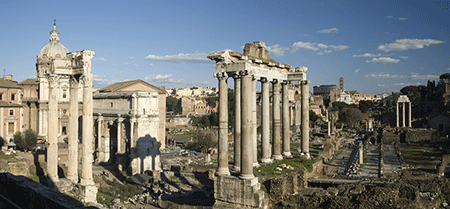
[{"x": 246, "y": 70}]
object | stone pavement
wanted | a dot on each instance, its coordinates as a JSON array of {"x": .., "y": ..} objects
[
  {"x": 391, "y": 162},
  {"x": 371, "y": 162}
]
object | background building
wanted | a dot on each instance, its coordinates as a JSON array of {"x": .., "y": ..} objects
[{"x": 10, "y": 108}]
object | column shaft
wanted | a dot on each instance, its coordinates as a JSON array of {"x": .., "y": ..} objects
[
  {"x": 246, "y": 140},
  {"x": 403, "y": 114},
  {"x": 410, "y": 117},
  {"x": 254, "y": 125},
  {"x": 86, "y": 177},
  {"x": 305, "y": 117},
  {"x": 265, "y": 123},
  {"x": 52, "y": 132},
  {"x": 119, "y": 135},
  {"x": 72, "y": 173},
  {"x": 286, "y": 137},
  {"x": 398, "y": 125},
  {"x": 223, "y": 126},
  {"x": 101, "y": 146},
  {"x": 276, "y": 153},
  {"x": 237, "y": 123}
]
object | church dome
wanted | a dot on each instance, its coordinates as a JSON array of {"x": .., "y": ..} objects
[{"x": 53, "y": 48}]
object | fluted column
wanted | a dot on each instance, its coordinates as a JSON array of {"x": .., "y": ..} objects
[
  {"x": 265, "y": 122},
  {"x": 52, "y": 132},
  {"x": 119, "y": 134},
  {"x": 286, "y": 137},
  {"x": 403, "y": 114},
  {"x": 276, "y": 153},
  {"x": 72, "y": 173},
  {"x": 410, "y": 118},
  {"x": 101, "y": 142},
  {"x": 398, "y": 125},
  {"x": 132, "y": 141},
  {"x": 246, "y": 140},
  {"x": 222, "y": 169},
  {"x": 305, "y": 117},
  {"x": 254, "y": 125},
  {"x": 237, "y": 123},
  {"x": 86, "y": 177}
]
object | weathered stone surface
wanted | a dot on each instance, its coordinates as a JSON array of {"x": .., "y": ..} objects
[{"x": 232, "y": 192}]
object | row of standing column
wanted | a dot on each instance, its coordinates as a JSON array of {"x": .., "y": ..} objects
[
  {"x": 245, "y": 136},
  {"x": 403, "y": 115},
  {"x": 52, "y": 153}
]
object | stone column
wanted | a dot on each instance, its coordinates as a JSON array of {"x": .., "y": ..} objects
[
  {"x": 88, "y": 188},
  {"x": 326, "y": 119},
  {"x": 298, "y": 116},
  {"x": 237, "y": 122},
  {"x": 286, "y": 134},
  {"x": 265, "y": 122},
  {"x": 361, "y": 152},
  {"x": 403, "y": 114},
  {"x": 52, "y": 132},
  {"x": 328, "y": 129},
  {"x": 305, "y": 117},
  {"x": 246, "y": 140},
  {"x": 410, "y": 117},
  {"x": 254, "y": 125},
  {"x": 132, "y": 141},
  {"x": 119, "y": 134},
  {"x": 72, "y": 173},
  {"x": 101, "y": 147},
  {"x": 276, "y": 153},
  {"x": 398, "y": 125},
  {"x": 222, "y": 169}
]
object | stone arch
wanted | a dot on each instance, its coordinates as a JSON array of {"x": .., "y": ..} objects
[{"x": 441, "y": 166}]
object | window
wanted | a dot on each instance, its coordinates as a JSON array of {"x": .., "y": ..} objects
[
  {"x": 11, "y": 112},
  {"x": 64, "y": 94},
  {"x": 10, "y": 128},
  {"x": 1, "y": 96},
  {"x": 13, "y": 96},
  {"x": 64, "y": 130},
  {"x": 112, "y": 104}
]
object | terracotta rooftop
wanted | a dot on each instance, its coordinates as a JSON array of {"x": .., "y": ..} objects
[
  {"x": 5, "y": 83},
  {"x": 30, "y": 81}
]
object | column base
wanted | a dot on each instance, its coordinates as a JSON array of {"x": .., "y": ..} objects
[
  {"x": 266, "y": 160},
  {"x": 236, "y": 168},
  {"x": 287, "y": 154},
  {"x": 247, "y": 176},
  {"x": 277, "y": 157},
  {"x": 255, "y": 165},
  {"x": 305, "y": 155},
  {"x": 88, "y": 193},
  {"x": 223, "y": 172},
  {"x": 73, "y": 178}
]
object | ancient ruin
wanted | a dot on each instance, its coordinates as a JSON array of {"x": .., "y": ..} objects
[
  {"x": 246, "y": 69},
  {"x": 403, "y": 100},
  {"x": 59, "y": 72}
]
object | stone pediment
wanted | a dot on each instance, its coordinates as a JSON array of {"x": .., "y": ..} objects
[{"x": 136, "y": 85}]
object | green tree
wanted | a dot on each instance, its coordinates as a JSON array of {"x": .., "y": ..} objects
[
  {"x": 365, "y": 105},
  {"x": 445, "y": 76},
  {"x": 203, "y": 140},
  {"x": 313, "y": 117},
  {"x": 171, "y": 103},
  {"x": 214, "y": 119},
  {"x": 351, "y": 117},
  {"x": 26, "y": 140}
]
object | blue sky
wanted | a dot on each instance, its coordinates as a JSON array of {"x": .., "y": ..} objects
[{"x": 377, "y": 46}]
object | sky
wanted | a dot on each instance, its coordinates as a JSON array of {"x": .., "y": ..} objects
[{"x": 376, "y": 46}]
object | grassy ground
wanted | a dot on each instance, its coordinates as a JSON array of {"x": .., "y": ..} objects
[
  {"x": 269, "y": 170},
  {"x": 422, "y": 158}
]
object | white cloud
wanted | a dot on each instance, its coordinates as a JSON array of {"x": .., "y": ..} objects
[
  {"x": 126, "y": 63},
  {"x": 99, "y": 59},
  {"x": 320, "y": 45},
  {"x": 277, "y": 50},
  {"x": 331, "y": 30},
  {"x": 407, "y": 84},
  {"x": 325, "y": 52},
  {"x": 381, "y": 85},
  {"x": 102, "y": 81},
  {"x": 163, "y": 79},
  {"x": 415, "y": 76},
  {"x": 150, "y": 65},
  {"x": 339, "y": 48},
  {"x": 404, "y": 57},
  {"x": 357, "y": 70},
  {"x": 390, "y": 16},
  {"x": 402, "y": 18},
  {"x": 135, "y": 65},
  {"x": 132, "y": 58},
  {"x": 196, "y": 57},
  {"x": 304, "y": 45},
  {"x": 383, "y": 60},
  {"x": 368, "y": 55},
  {"x": 406, "y": 44}
]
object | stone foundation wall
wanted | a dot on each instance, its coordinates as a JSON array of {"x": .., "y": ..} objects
[
  {"x": 419, "y": 135},
  {"x": 29, "y": 194}
]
